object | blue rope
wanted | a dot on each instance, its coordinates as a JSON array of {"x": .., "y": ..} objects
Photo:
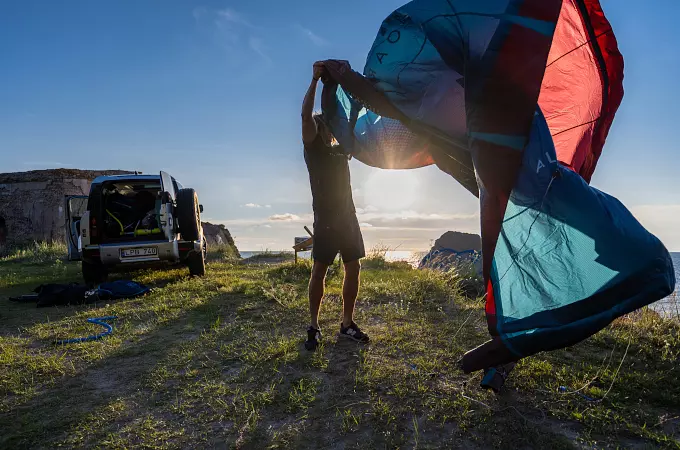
[
  {"x": 563, "y": 389},
  {"x": 97, "y": 321}
]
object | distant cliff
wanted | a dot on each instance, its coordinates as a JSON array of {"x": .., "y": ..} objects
[{"x": 219, "y": 235}]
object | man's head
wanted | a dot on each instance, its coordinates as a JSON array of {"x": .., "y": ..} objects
[{"x": 324, "y": 130}]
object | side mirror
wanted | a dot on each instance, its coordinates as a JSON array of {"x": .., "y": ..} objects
[{"x": 200, "y": 208}]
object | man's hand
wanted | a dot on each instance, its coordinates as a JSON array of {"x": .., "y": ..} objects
[{"x": 319, "y": 70}]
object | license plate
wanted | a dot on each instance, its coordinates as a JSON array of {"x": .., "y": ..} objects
[{"x": 136, "y": 252}]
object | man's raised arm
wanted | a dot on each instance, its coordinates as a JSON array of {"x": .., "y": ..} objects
[{"x": 308, "y": 124}]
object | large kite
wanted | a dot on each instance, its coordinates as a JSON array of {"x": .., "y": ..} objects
[{"x": 514, "y": 99}]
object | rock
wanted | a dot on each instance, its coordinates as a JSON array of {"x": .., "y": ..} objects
[
  {"x": 459, "y": 242},
  {"x": 219, "y": 235},
  {"x": 32, "y": 203},
  {"x": 458, "y": 250}
]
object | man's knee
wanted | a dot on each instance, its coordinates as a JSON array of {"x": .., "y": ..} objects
[
  {"x": 353, "y": 268},
  {"x": 319, "y": 271}
]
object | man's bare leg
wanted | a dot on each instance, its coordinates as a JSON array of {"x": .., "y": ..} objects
[
  {"x": 350, "y": 290},
  {"x": 316, "y": 288}
]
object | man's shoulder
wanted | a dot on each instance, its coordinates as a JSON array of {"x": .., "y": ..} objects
[{"x": 316, "y": 142}]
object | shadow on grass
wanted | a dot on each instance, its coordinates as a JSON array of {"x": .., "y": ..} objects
[
  {"x": 57, "y": 409},
  {"x": 219, "y": 362}
]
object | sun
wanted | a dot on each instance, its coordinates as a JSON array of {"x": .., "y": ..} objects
[{"x": 391, "y": 190}]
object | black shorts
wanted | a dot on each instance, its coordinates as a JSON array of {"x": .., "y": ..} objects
[{"x": 338, "y": 236}]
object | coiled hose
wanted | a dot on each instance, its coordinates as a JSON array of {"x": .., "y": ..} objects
[{"x": 97, "y": 321}]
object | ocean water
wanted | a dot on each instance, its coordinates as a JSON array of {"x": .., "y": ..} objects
[
  {"x": 669, "y": 306},
  {"x": 397, "y": 255}
]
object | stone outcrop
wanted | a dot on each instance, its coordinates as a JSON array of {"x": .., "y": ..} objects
[
  {"x": 219, "y": 235},
  {"x": 462, "y": 252},
  {"x": 32, "y": 203},
  {"x": 459, "y": 242},
  {"x": 56, "y": 174}
]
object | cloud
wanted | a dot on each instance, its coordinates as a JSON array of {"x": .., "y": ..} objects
[
  {"x": 199, "y": 12},
  {"x": 287, "y": 217},
  {"x": 257, "y": 45},
  {"x": 267, "y": 206},
  {"x": 231, "y": 16},
  {"x": 252, "y": 205},
  {"x": 233, "y": 32},
  {"x": 399, "y": 218},
  {"x": 405, "y": 221},
  {"x": 411, "y": 230},
  {"x": 366, "y": 209},
  {"x": 315, "y": 38}
]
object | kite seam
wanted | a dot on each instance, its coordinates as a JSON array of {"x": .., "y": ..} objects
[{"x": 610, "y": 30}]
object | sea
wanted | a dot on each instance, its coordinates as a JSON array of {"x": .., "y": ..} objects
[{"x": 669, "y": 306}]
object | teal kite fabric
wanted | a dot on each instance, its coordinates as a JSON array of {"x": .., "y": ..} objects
[
  {"x": 514, "y": 99},
  {"x": 570, "y": 258}
]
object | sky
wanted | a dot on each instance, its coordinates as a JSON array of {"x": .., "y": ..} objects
[{"x": 211, "y": 91}]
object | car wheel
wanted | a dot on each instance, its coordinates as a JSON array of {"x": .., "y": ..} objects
[
  {"x": 94, "y": 273},
  {"x": 188, "y": 214},
  {"x": 196, "y": 263}
]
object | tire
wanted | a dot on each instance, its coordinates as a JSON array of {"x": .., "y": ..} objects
[
  {"x": 196, "y": 262},
  {"x": 94, "y": 273},
  {"x": 188, "y": 214}
]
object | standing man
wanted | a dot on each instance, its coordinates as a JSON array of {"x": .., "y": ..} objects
[{"x": 336, "y": 228}]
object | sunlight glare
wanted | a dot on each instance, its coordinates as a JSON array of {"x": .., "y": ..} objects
[{"x": 391, "y": 190}]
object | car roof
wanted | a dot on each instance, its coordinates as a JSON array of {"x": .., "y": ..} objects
[{"x": 126, "y": 177}]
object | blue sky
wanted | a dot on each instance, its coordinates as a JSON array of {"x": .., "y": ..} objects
[{"x": 211, "y": 91}]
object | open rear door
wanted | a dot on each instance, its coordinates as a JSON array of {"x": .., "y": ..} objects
[
  {"x": 76, "y": 206},
  {"x": 167, "y": 205},
  {"x": 167, "y": 185}
]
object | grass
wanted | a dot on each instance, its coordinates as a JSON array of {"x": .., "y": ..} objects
[
  {"x": 35, "y": 253},
  {"x": 224, "y": 252},
  {"x": 218, "y": 362}
]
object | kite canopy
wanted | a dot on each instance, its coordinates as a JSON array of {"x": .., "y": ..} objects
[{"x": 514, "y": 99}]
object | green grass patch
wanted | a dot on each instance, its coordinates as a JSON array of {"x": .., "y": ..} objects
[{"x": 219, "y": 361}]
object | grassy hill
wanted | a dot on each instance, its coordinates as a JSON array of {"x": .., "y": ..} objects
[{"x": 219, "y": 362}]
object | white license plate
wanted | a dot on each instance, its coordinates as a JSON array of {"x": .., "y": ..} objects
[{"x": 136, "y": 252}]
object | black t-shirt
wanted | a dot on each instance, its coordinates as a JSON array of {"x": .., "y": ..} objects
[{"x": 330, "y": 181}]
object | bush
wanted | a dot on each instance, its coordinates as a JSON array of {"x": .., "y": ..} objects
[{"x": 223, "y": 252}]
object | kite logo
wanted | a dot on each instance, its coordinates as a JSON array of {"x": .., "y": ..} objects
[
  {"x": 380, "y": 56},
  {"x": 540, "y": 164}
]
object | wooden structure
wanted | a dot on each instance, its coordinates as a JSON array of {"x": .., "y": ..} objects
[{"x": 303, "y": 244}]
